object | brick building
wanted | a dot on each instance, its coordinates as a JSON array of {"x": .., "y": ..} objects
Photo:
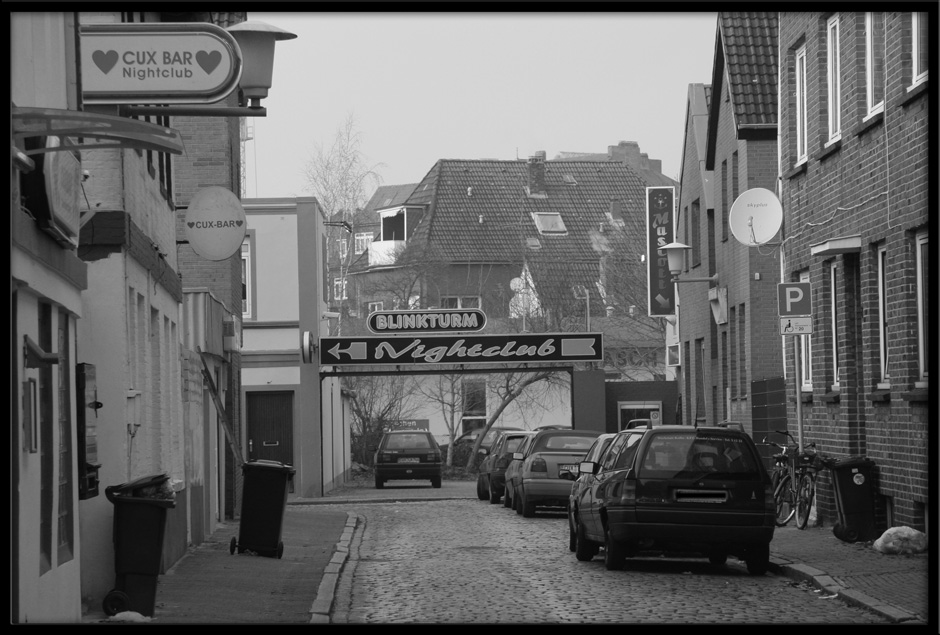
[{"x": 854, "y": 167}]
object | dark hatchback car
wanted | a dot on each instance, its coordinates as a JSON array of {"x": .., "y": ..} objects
[
  {"x": 491, "y": 481},
  {"x": 407, "y": 455},
  {"x": 678, "y": 488}
]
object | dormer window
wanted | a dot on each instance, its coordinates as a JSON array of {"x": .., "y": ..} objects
[{"x": 549, "y": 223}]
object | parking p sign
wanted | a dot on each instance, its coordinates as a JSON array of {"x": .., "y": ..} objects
[{"x": 794, "y": 298}]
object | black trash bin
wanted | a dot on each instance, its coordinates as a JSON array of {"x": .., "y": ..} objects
[
  {"x": 139, "y": 524},
  {"x": 264, "y": 496},
  {"x": 854, "y": 498}
]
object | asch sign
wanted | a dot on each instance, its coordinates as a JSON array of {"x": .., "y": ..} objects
[{"x": 158, "y": 63}]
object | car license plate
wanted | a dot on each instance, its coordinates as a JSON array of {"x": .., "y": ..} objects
[
  {"x": 571, "y": 468},
  {"x": 409, "y": 459}
]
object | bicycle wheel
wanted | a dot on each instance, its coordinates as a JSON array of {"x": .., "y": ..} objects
[
  {"x": 783, "y": 502},
  {"x": 804, "y": 499}
]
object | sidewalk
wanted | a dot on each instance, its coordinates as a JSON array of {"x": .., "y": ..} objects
[{"x": 209, "y": 585}]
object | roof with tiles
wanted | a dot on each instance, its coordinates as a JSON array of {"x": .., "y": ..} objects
[
  {"x": 387, "y": 196},
  {"x": 749, "y": 45}
]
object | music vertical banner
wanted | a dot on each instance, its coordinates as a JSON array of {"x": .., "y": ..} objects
[{"x": 660, "y": 231}]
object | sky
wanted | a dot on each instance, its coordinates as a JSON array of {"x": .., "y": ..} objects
[{"x": 423, "y": 86}]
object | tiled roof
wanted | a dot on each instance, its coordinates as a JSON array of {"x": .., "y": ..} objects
[
  {"x": 389, "y": 196},
  {"x": 749, "y": 47}
]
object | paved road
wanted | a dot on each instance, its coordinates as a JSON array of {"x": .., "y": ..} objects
[{"x": 406, "y": 566}]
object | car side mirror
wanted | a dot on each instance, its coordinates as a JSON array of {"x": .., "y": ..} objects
[
  {"x": 587, "y": 467},
  {"x": 517, "y": 456},
  {"x": 483, "y": 451}
]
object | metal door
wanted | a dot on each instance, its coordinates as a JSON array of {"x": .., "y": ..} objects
[{"x": 270, "y": 417}]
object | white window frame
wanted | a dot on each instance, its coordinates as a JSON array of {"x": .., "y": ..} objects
[
  {"x": 343, "y": 248},
  {"x": 801, "y": 114},
  {"x": 806, "y": 351},
  {"x": 339, "y": 288},
  {"x": 872, "y": 105},
  {"x": 833, "y": 75},
  {"x": 919, "y": 52},
  {"x": 882, "y": 267},
  {"x": 462, "y": 301},
  {"x": 362, "y": 241},
  {"x": 921, "y": 246},
  {"x": 834, "y": 322},
  {"x": 549, "y": 223},
  {"x": 246, "y": 277},
  {"x": 375, "y": 306}
]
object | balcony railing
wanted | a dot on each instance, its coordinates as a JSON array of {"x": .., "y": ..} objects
[{"x": 383, "y": 252}]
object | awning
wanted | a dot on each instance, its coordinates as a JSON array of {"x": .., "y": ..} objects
[{"x": 95, "y": 131}]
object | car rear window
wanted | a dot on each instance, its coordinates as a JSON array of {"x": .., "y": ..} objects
[
  {"x": 692, "y": 455},
  {"x": 513, "y": 443},
  {"x": 408, "y": 442},
  {"x": 557, "y": 443}
]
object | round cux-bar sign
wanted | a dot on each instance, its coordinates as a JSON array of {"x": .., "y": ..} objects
[{"x": 215, "y": 223}]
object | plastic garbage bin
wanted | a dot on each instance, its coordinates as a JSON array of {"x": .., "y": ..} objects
[
  {"x": 139, "y": 524},
  {"x": 854, "y": 498},
  {"x": 264, "y": 496}
]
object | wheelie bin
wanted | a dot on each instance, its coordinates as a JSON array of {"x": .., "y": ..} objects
[
  {"x": 139, "y": 525},
  {"x": 264, "y": 496},
  {"x": 855, "y": 502}
]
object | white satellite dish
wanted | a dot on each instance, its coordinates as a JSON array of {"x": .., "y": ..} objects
[
  {"x": 755, "y": 217},
  {"x": 516, "y": 284}
]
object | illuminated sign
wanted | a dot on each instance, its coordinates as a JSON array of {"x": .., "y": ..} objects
[
  {"x": 158, "y": 63},
  {"x": 661, "y": 298},
  {"x": 447, "y": 320}
]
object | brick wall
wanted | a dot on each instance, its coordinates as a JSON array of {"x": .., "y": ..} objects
[{"x": 873, "y": 185}]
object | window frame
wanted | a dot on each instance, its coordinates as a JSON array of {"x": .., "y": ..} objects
[
  {"x": 549, "y": 223},
  {"x": 372, "y": 307},
  {"x": 873, "y": 107},
  {"x": 362, "y": 240},
  {"x": 339, "y": 288},
  {"x": 806, "y": 351},
  {"x": 919, "y": 51},
  {"x": 342, "y": 248},
  {"x": 833, "y": 80},
  {"x": 802, "y": 119},
  {"x": 460, "y": 304},
  {"x": 834, "y": 322},
  {"x": 881, "y": 256},
  {"x": 247, "y": 275},
  {"x": 921, "y": 255}
]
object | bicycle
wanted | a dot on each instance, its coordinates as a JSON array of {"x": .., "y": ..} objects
[{"x": 794, "y": 478}]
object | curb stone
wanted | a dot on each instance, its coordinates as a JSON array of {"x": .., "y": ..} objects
[{"x": 322, "y": 605}]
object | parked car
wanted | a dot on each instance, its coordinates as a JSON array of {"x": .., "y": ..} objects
[
  {"x": 699, "y": 489},
  {"x": 470, "y": 436},
  {"x": 637, "y": 423},
  {"x": 407, "y": 454},
  {"x": 550, "y": 453},
  {"x": 594, "y": 454},
  {"x": 491, "y": 481},
  {"x": 513, "y": 473}
]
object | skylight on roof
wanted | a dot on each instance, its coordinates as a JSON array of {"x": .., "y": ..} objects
[
  {"x": 533, "y": 243},
  {"x": 569, "y": 179},
  {"x": 549, "y": 223}
]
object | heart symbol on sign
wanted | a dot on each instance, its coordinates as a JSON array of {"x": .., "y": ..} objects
[
  {"x": 105, "y": 61},
  {"x": 238, "y": 223},
  {"x": 191, "y": 224},
  {"x": 208, "y": 61}
]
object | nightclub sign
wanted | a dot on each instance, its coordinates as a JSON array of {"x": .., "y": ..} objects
[{"x": 660, "y": 231}]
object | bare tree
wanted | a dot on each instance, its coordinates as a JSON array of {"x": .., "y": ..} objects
[
  {"x": 377, "y": 403},
  {"x": 444, "y": 390}
]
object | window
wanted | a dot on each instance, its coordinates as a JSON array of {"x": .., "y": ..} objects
[
  {"x": 742, "y": 351},
  {"x": 726, "y": 201},
  {"x": 246, "y": 278},
  {"x": 833, "y": 73},
  {"x": 806, "y": 352},
  {"x": 834, "y": 324},
  {"x": 460, "y": 302},
  {"x": 549, "y": 223},
  {"x": 882, "y": 264},
  {"x": 923, "y": 318},
  {"x": 47, "y": 456},
  {"x": 375, "y": 306},
  {"x": 343, "y": 248},
  {"x": 919, "y": 52},
  {"x": 696, "y": 235},
  {"x": 473, "y": 397},
  {"x": 362, "y": 242},
  {"x": 874, "y": 61},
  {"x": 66, "y": 511},
  {"x": 339, "y": 288},
  {"x": 801, "y": 116}
]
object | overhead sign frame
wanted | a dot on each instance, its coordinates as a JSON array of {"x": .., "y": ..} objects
[
  {"x": 461, "y": 349},
  {"x": 158, "y": 63}
]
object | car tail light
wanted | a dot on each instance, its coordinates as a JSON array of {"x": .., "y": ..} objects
[
  {"x": 385, "y": 457},
  {"x": 538, "y": 464},
  {"x": 434, "y": 457},
  {"x": 628, "y": 492}
]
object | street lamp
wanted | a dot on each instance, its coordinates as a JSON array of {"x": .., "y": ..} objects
[{"x": 675, "y": 253}]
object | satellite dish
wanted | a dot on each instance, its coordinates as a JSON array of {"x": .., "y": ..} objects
[
  {"x": 516, "y": 284},
  {"x": 755, "y": 217}
]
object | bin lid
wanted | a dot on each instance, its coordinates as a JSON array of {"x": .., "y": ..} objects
[
  {"x": 269, "y": 465},
  {"x": 853, "y": 461},
  {"x": 144, "y": 481}
]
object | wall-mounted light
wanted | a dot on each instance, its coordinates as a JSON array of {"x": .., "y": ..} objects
[
  {"x": 329, "y": 315},
  {"x": 675, "y": 253}
]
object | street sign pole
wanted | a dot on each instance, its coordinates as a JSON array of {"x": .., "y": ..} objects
[{"x": 799, "y": 388}]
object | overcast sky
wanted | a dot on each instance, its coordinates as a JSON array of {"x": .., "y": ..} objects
[{"x": 425, "y": 86}]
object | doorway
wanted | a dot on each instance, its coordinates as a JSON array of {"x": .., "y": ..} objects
[
  {"x": 629, "y": 410},
  {"x": 270, "y": 418}
]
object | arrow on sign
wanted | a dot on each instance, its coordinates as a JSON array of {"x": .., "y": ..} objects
[
  {"x": 355, "y": 350},
  {"x": 577, "y": 347},
  {"x": 663, "y": 302}
]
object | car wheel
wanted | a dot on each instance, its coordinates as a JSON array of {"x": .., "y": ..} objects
[
  {"x": 494, "y": 497},
  {"x": 572, "y": 534},
  {"x": 757, "y": 559},
  {"x": 481, "y": 493},
  {"x": 436, "y": 482},
  {"x": 379, "y": 482},
  {"x": 517, "y": 501},
  {"x": 615, "y": 555},
  {"x": 528, "y": 507},
  {"x": 584, "y": 549},
  {"x": 717, "y": 558}
]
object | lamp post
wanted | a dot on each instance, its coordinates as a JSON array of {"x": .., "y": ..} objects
[{"x": 675, "y": 253}]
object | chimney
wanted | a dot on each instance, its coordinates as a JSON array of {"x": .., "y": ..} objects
[{"x": 536, "y": 174}]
